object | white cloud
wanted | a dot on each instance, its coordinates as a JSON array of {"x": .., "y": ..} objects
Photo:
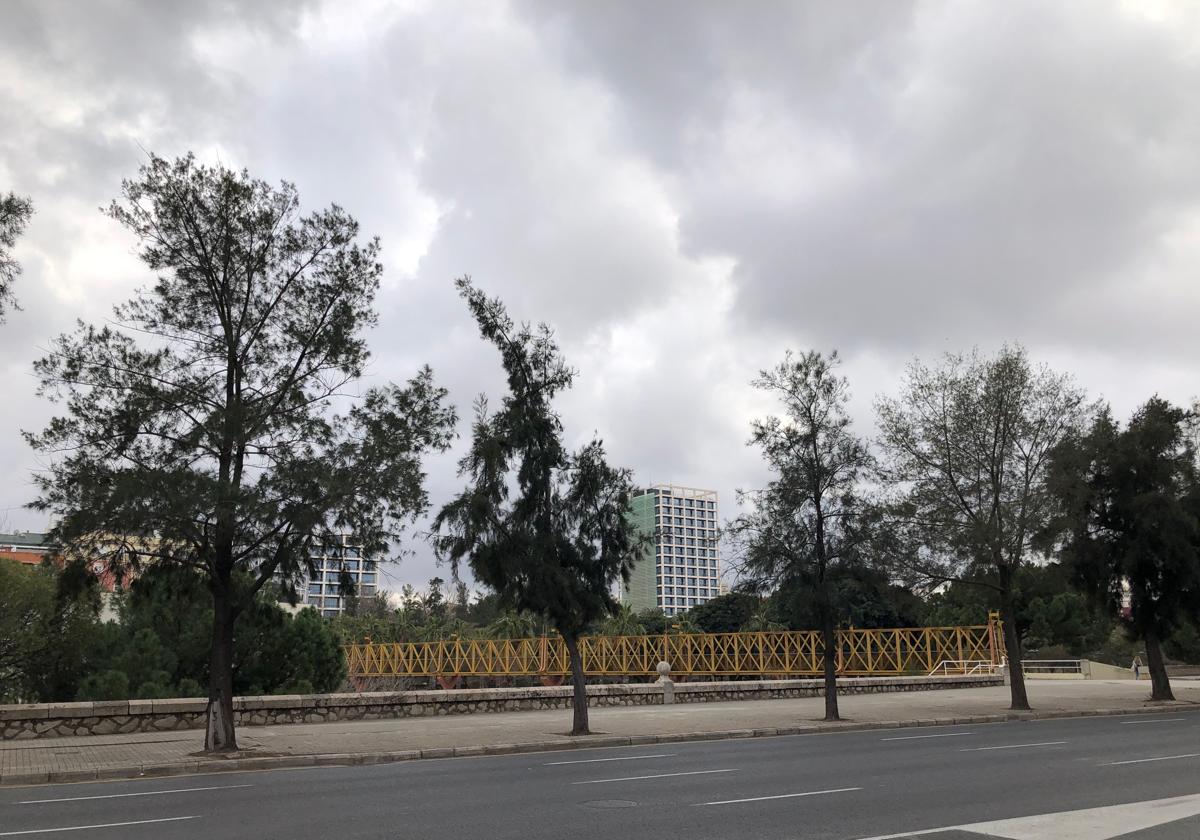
[{"x": 683, "y": 189}]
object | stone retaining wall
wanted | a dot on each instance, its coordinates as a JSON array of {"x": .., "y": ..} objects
[{"x": 48, "y": 720}]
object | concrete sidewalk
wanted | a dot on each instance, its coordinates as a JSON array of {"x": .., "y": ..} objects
[{"x": 370, "y": 742}]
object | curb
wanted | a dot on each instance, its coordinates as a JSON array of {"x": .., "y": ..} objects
[{"x": 241, "y": 765}]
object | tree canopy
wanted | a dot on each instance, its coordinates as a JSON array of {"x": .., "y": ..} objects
[
  {"x": 807, "y": 524},
  {"x": 1128, "y": 524},
  {"x": 15, "y": 211},
  {"x": 211, "y": 424},
  {"x": 966, "y": 446},
  {"x": 544, "y": 527},
  {"x": 44, "y": 633}
]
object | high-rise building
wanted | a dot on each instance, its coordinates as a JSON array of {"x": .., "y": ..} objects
[
  {"x": 681, "y": 564},
  {"x": 323, "y": 591}
]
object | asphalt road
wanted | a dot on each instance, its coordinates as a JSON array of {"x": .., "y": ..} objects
[{"x": 843, "y": 786}]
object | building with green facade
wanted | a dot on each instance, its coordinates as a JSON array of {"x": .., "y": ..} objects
[{"x": 681, "y": 563}]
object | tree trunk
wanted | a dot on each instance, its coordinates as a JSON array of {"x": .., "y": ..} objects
[
  {"x": 830, "y": 644},
  {"x": 1012, "y": 649},
  {"x": 579, "y": 705},
  {"x": 1160, "y": 684},
  {"x": 829, "y": 639},
  {"x": 219, "y": 733}
]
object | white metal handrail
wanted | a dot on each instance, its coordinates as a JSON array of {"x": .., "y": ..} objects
[
  {"x": 962, "y": 667},
  {"x": 1052, "y": 666}
]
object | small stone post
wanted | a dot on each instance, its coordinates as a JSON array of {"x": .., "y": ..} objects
[
  {"x": 664, "y": 680},
  {"x": 1004, "y": 672}
]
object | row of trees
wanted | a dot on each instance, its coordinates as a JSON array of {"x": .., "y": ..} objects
[
  {"x": 209, "y": 428},
  {"x": 981, "y": 466}
]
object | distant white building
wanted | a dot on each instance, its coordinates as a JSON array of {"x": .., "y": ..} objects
[
  {"x": 321, "y": 589},
  {"x": 681, "y": 566}
]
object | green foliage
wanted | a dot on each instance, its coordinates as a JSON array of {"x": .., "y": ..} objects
[
  {"x": 811, "y": 522},
  {"x": 1066, "y": 621},
  {"x": 1128, "y": 523},
  {"x": 966, "y": 443},
  {"x": 653, "y": 621},
  {"x": 682, "y": 623},
  {"x": 159, "y": 648},
  {"x": 859, "y": 596},
  {"x": 44, "y": 634},
  {"x": 1118, "y": 649},
  {"x": 558, "y": 546},
  {"x": 200, "y": 425},
  {"x": 421, "y": 617},
  {"x": 105, "y": 685},
  {"x": 189, "y": 687},
  {"x": 1050, "y": 615},
  {"x": 511, "y": 624},
  {"x": 1184, "y": 644},
  {"x": 966, "y": 446},
  {"x": 727, "y": 613},
  {"x": 15, "y": 211},
  {"x": 621, "y": 623}
]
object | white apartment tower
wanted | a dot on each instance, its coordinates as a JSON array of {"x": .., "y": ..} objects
[
  {"x": 681, "y": 566},
  {"x": 322, "y": 590}
]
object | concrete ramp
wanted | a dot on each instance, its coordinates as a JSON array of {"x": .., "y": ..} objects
[{"x": 1101, "y": 671}]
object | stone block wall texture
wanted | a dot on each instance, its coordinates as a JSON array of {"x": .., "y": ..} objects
[{"x": 49, "y": 720}]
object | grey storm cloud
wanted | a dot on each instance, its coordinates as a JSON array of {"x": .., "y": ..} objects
[{"x": 683, "y": 189}]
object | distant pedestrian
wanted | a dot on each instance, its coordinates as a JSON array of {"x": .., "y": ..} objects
[{"x": 1137, "y": 667}]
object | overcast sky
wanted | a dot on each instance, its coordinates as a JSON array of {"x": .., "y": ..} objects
[{"x": 683, "y": 189}]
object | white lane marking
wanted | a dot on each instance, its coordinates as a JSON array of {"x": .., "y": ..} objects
[
  {"x": 1158, "y": 758},
  {"x": 1142, "y": 722},
  {"x": 1104, "y": 823},
  {"x": 123, "y": 795},
  {"x": 939, "y": 735},
  {"x": 622, "y": 758},
  {"x": 99, "y": 825},
  {"x": 782, "y": 796},
  {"x": 1015, "y": 746},
  {"x": 655, "y": 776}
]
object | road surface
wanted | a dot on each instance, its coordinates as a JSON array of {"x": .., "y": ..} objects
[{"x": 1033, "y": 780}]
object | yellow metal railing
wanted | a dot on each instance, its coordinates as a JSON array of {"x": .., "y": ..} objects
[{"x": 786, "y": 653}]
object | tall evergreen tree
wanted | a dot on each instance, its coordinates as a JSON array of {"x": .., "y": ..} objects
[
  {"x": 1128, "y": 523},
  {"x": 807, "y": 524},
  {"x": 201, "y": 426},
  {"x": 544, "y": 527}
]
